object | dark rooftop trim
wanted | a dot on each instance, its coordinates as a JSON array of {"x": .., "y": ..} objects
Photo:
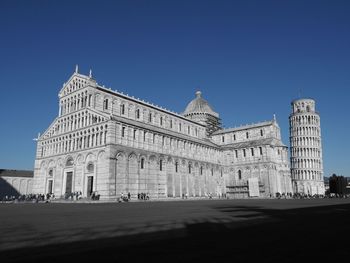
[
  {"x": 244, "y": 127},
  {"x": 254, "y": 143},
  {"x": 167, "y": 132},
  {"x": 16, "y": 173}
]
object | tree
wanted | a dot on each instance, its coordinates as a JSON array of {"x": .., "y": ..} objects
[{"x": 337, "y": 184}]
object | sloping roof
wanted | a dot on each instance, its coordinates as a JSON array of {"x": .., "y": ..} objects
[
  {"x": 205, "y": 141},
  {"x": 244, "y": 127},
  {"x": 255, "y": 143},
  {"x": 148, "y": 104},
  {"x": 199, "y": 105},
  {"x": 16, "y": 173},
  {"x": 125, "y": 96}
]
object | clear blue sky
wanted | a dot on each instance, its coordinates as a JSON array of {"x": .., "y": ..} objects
[{"x": 249, "y": 58}]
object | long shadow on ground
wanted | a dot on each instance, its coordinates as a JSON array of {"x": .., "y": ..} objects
[{"x": 292, "y": 235}]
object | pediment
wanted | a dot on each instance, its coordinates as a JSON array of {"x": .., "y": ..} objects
[
  {"x": 55, "y": 128},
  {"x": 76, "y": 82},
  {"x": 51, "y": 130}
]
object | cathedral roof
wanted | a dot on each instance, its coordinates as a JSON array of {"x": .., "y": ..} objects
[
  {"x": 245, "y": 127},
  {"x": 255, "y": 143},
  {"x": 15, "y": 173},
  {"x": 199, "y": 105}
]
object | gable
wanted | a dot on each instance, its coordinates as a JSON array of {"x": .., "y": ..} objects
[
  {"x": 76, "y": 82},
  {"x": 51, "y": 130},
  {"x": 58, "y": 126}
]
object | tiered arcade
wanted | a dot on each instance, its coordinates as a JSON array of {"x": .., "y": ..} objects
[{"x": 306, "y": 148}]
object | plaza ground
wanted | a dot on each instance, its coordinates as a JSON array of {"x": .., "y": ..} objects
[{"x": 215, "y": 230}]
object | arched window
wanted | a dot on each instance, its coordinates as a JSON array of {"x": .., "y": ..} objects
[
  {"x": 138, "y": 114},
  {"x": 105, "y": 104},
  {"x": 150, "y": 117},
  {"x": 142, "y": 163},
  {"x": 51, "y": 172},
  {"x": 176, "y": 167},
  {"x": 201, "y": 170},
  {"x": 239, "y": 174},
  {"x": 90, "y": 168},
  {"x": 123, "y": 131},
  {"x": 189, "y": 168},
  {"x": 161, "y": 165},
  {"x": 247, "y": 134},
  {"x": 69, "y": 162},
  {"x": 122, "y": 109},
  {"x": 90, "y": 100},
  {"x": 161, "y": 121},
  {"x": 261, "y": 132}
]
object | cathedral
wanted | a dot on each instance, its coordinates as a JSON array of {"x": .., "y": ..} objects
[{"x": 110, "y": 143}]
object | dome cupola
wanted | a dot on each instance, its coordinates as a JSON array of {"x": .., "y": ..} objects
[
  {"x": 199, "y": 110},
  {"x": 199, "y": 105}
]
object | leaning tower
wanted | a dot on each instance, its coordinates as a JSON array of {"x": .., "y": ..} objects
[{"x": 305, "y": 148}]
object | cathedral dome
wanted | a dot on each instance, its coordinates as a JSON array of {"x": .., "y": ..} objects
[{"x": 199, "y": 105}]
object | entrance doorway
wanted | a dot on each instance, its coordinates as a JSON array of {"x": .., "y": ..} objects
[
  {"x": 49, "y": 187},
  {"x": 69, "y": 181},
  {"x": 90, "y": 184}
]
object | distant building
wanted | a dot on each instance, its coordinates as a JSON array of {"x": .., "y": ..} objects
[
  {"x": 106, "y": 141},
  {"x": 15, "y": 182}
]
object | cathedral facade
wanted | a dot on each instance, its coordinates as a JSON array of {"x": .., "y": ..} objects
[{"x": 107, "y": 142}]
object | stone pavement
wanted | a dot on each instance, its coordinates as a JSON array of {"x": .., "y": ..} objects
[{"x": 34, "y": 227}]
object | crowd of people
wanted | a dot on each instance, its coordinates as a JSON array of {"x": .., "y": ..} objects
[
  {"x": 143, "y": 196},
  {"x": 127, "y": 197},
  {"x": 208, "y": 195},
  {"x": 75, "y": 196},
  {"x": 309, "y": 196},
  {"x": 124, "y": 197},
  {"x": 332, "y": 195},
  {"x": 28, "y": 198},
  {"x": 36, "y": 198}
]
